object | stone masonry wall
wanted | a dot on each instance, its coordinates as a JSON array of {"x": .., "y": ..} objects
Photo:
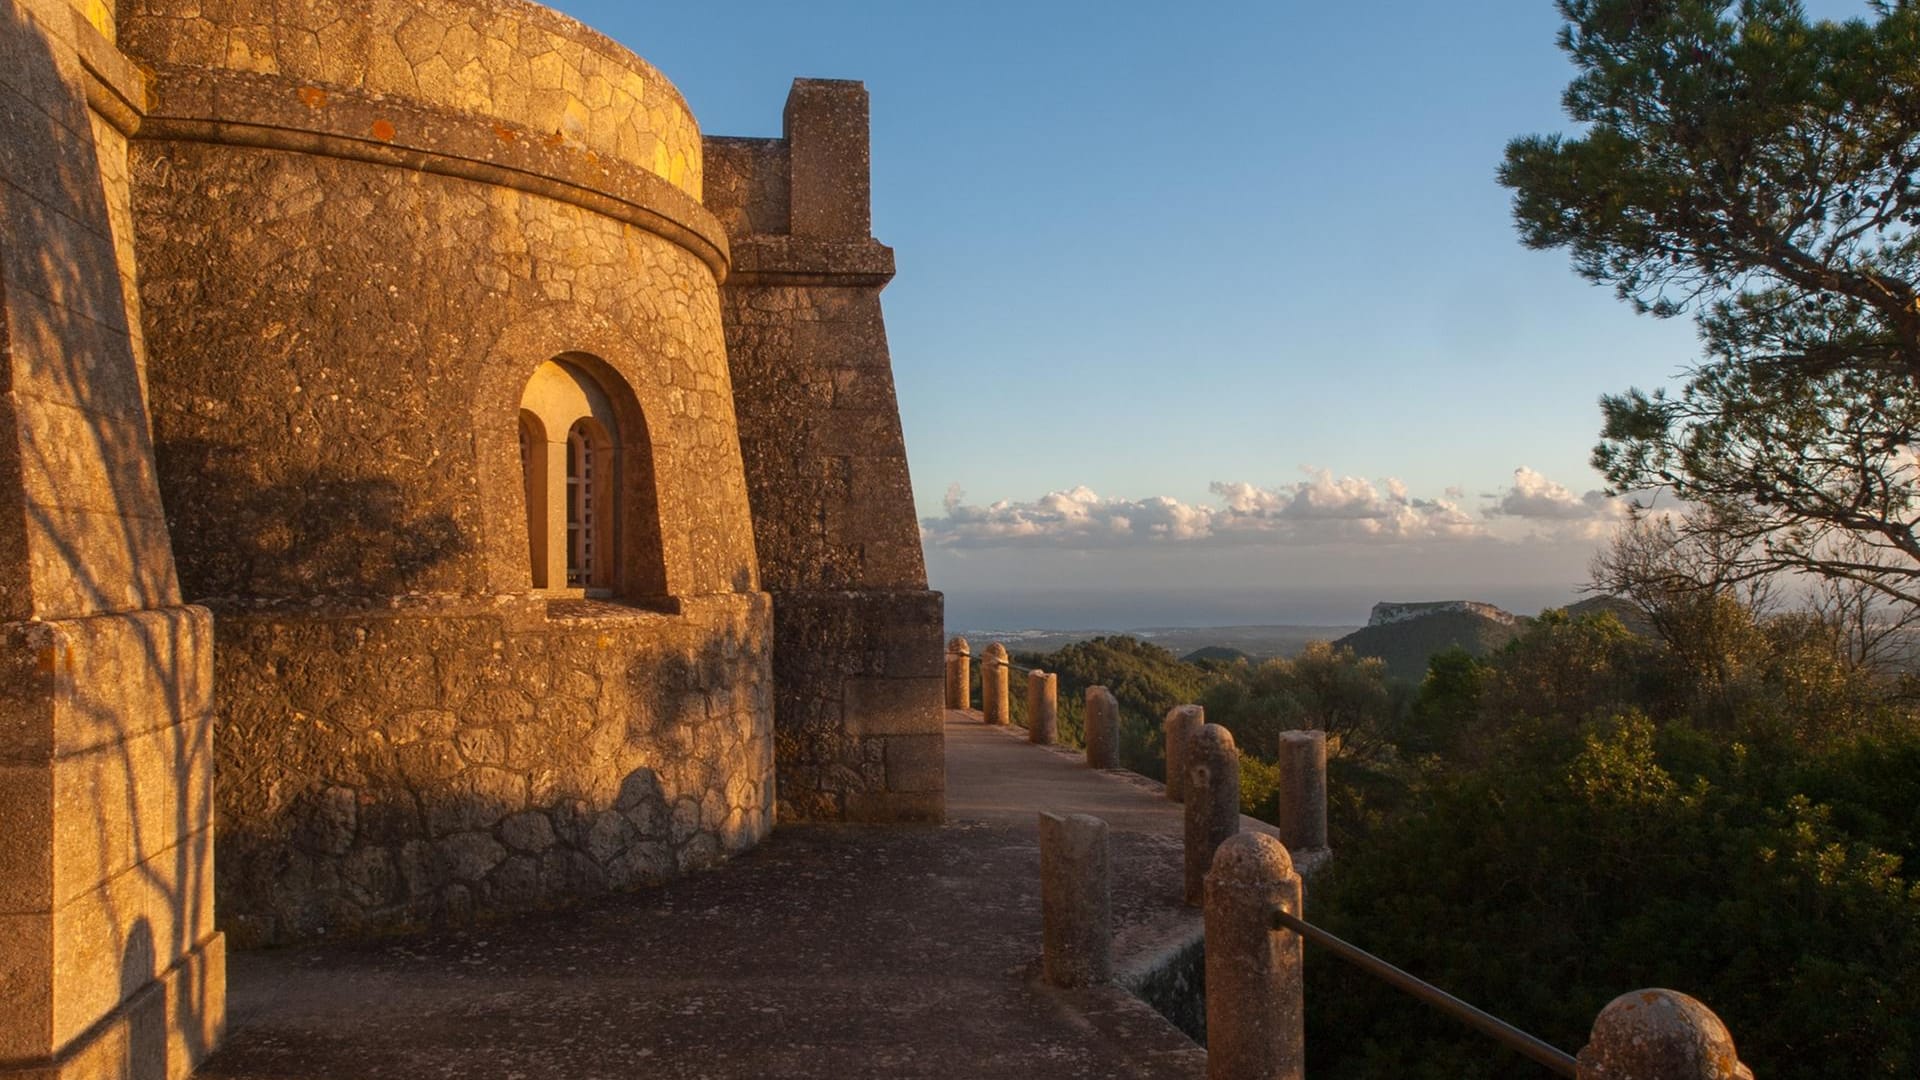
[
  {"x": 524, "y": 65},
  {"x": 857, "y": 637},
  {"x": 389, "y": 770},
  {"x": 109, "y": 961},
  {"x": 350, "y": 268}
]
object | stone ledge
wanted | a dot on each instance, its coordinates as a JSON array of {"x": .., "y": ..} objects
[
  {"x": 117, "y": 89},
  {"x": 798, "y": 260},
  {"x": 72, "y": 685},
  {"x": 268, "y": 112}
]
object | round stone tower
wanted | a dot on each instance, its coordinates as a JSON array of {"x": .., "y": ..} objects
[{"x": 445, "y": 434}]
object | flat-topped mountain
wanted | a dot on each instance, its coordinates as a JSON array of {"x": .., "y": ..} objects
[
  {"x": 1386, "y": 613},
  {"x": 1406, "y": 635}
]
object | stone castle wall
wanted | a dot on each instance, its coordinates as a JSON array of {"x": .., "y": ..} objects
[
  {"x": 347, "y": 284},
  {"x": 857, "y": 637},
  {"x": 276, "y": 284},
  {"x": 110, "y": 964},
  {"x": 531, "y": 69},
  {"x": 390, "y": 770}
]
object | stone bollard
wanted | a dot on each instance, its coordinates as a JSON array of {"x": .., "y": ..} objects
[
  {"x": 1256, "y": 1018},
  {"x": 1102, "y": 723},
  {"x": 959, "y": 674},
  {"x": 993, "y": 684},
  {"x": 1213, "y": 802},
  {"x": 1178, "y": 727},
  {"x": 1658, "y": 1035},
  {"x": 1076, "y": 900},
  {"x": 1303, "y": 789},
  {"x": 1043, "y": 707}
]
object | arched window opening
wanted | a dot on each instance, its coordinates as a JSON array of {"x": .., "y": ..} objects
[{"x": 571, "y": 464}]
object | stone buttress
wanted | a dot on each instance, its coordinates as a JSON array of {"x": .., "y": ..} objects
[
  {"x": 110, "y": 965},
  {"x": 857, "y": 636}
]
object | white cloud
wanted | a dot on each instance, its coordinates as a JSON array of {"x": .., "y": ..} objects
[
  {"x": 1534, "y": 498},
  {"x": 1321, "y": 509}
]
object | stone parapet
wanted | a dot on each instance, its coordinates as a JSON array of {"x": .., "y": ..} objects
[
  {"x": 387, "y": 771},
  {"x": 264, "y": 111},
  {"x": 507, "y": 60}
]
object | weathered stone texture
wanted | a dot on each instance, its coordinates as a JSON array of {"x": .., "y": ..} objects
[
  {"x": 857, "y": 705},
  {"x": 363, "y": 445},
  {"x": 857, "y": 653},
  {"x": 1661, "y": 1035},
  {"x": 388, "y": 770},
  {"x": 360, "y": 233},
  {"x": 1256, "y": 1015},
  {"x": 292, "y": 268},
  {"x": 507, "y": 60},
  {"x": 109, "y": 962}
]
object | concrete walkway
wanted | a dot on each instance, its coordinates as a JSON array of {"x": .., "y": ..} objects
[{"x": 830, "y": 952}]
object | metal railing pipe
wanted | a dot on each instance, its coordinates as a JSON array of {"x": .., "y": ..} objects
[{"x": 1506, "y": 1034}]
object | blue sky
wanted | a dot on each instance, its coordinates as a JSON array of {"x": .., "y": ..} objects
[{"x": 1158, "y": 261}]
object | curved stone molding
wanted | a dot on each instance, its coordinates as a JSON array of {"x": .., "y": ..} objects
[
  {"x": 265, "y": 112},
  {"x": 508, "y": 60}
]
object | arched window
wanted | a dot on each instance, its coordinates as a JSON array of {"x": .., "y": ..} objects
[{"x": 570, "y": 459}]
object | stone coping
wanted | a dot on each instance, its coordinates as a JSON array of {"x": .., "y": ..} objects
[
  {"x": 762, "y": 259},
  {"x": 513, "y": 60},
  {"x": 267, "y": 112}
]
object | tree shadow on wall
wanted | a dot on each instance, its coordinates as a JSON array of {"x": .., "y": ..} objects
[
  {"x": 306, "y": 532},
  {"x": 615, "y": 779},
  {"x": 89, "y": 611}
]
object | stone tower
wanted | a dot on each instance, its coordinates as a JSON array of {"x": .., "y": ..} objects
[{"x": 425, "y": 455}]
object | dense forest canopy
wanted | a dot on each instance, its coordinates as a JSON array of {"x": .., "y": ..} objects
[{"x": 1583, "y": 812}]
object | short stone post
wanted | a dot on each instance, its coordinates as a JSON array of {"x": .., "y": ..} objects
[
  {"x": 1657, "y": 1035},
  {"x": 1102, "y": 720},
  {"x": 1213, "y": 802},
  {"x": 1256, "y": 1017},
  {"x": 1043, "y": 707},
  {"x": 993, "y": 684},
  {"x": 1303, "y": 790},
  {"x": 1076, "y": 900},
  {"x": 959, "y": 674},
  {"x": 1178, "y": 727}
]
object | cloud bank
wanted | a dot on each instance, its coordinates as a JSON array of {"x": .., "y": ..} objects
[
  {"x": 1322, "y": 509},
  {"x": 1534, "y": 498}
]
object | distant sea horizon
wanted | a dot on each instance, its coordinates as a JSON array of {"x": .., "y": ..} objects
[{"x": 1119, "y": 610}]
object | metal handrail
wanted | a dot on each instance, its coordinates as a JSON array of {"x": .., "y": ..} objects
[
  {"x": 1502, "y": 1032},
  {"x": 982, "y": 659},
  {"x": 1533, "y": 1047}
]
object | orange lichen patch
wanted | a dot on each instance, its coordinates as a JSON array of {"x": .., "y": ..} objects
[
  {"x": 505, "y": 134},
  {"x": 313, "y": 97},
  {"x": 383, "y": 131},
  {"x": 555, "y": 139}
]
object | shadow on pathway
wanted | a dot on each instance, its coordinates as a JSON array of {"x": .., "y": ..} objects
[{"x": 830, "y": 952}]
